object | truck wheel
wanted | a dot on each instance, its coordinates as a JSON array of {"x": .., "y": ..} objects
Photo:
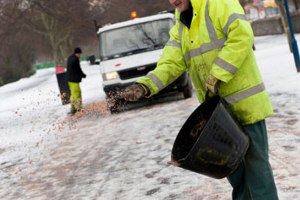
[{"x": 188, "y": 90}]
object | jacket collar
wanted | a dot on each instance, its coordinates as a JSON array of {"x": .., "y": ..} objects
[
  {"x": 187, "y": 16},
  {"x": 196, "y": 4}
]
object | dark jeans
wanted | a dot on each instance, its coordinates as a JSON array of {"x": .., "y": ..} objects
[{"x": 253, "y": 179}]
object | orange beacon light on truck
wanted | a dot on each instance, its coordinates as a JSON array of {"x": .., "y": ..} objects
[{"x": 133, "y": 15}]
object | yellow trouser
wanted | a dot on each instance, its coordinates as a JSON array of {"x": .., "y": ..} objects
[{"x": 76, "y": 100}]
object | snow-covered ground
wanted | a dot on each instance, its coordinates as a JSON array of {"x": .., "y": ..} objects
[{"x": 45, "y": 154}]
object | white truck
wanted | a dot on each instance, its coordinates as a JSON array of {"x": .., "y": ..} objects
[{"x": 131, "y": 49}]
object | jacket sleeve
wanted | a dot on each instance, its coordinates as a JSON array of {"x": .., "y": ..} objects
[
  {"x": 169, "y": 67},
  {"x": 228, "y": 16},
  {"x": 78, "y": 68}
]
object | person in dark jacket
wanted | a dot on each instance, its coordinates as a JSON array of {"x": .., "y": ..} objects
[{"x": 75, "y": 74}]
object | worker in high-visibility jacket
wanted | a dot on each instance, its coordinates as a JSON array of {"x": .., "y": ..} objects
[{"x": 213, "y": 41}]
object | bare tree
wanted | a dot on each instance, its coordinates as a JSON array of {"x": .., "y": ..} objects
[
  {"x": 117, "y": 10},
  {"x": 284, "y": 21},
  {"x": 45, "y": 30},
  {"x": 297, "y": 4},
  {"x": 16, "y": 53},
  {"x": 59, "y": 22},
  {"x": 31, "y": 28}
]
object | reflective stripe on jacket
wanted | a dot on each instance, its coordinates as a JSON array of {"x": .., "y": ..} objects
[{"x": 219, "y": 42}]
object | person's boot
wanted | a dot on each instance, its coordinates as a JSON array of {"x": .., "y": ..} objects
[{"x": 73, "y": 110}]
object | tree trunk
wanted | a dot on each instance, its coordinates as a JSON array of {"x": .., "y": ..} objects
[
  {"x": 296, "y": 3},
  {"x": 285, "y": 23},
  {"x": 56, "y": 36}
]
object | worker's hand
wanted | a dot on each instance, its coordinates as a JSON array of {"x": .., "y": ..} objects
[
  {"x": 134, "y": 92},
  {"x": 212, "y": 84},
  {"x": 84, "y": 76}
]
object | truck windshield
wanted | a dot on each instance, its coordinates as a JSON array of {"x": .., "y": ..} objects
[{"x": 134, "y": 39}]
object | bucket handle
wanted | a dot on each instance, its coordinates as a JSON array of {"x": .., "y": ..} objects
[
  {"x": 208, "y": 96},
  {"x": 222, "y": 100}
]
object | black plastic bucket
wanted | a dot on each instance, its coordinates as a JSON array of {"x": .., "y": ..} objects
[{"x": 210, "y": 142}]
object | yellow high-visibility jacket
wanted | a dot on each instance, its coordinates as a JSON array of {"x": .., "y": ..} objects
[{"x": 219, "y": 42}]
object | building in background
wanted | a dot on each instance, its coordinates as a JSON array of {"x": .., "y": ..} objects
[
  {"x": 258, "y": 9},
  {"x": 270, "y": 8}
]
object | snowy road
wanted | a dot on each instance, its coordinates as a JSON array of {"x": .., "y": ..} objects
[{"x": 46, "y": 155}]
